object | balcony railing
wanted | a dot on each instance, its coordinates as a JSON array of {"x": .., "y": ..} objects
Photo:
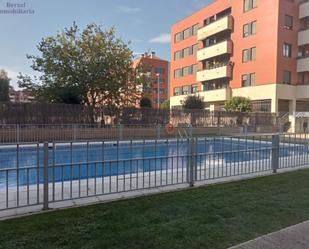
[
  {"x": 220, "y": 48},
  {"x": 222, "y": 24}
]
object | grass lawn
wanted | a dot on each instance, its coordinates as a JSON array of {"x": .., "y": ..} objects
[{"x": 211, "y": 217}]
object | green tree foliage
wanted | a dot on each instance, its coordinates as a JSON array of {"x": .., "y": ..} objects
[
  {"x": 145, "y": 102},
  {"x": 4, "y": 86},
  {"x": 238, "y": 104},
  {"x": 193, "y": 102},
  {"x": 165, "y": 105},
  {"x": 91, "y": 66}
]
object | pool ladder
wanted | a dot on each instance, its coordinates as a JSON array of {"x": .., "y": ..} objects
[{"x": 183, "y": 135}]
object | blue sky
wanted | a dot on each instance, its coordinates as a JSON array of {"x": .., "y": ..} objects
[{"x": 146, "y": 23}]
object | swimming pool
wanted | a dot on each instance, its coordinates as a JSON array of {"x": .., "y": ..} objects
[{"x": 72, "y": 161}]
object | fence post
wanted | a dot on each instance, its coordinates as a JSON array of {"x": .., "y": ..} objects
[
  {"x": 191, "y": 162},
  {"x": 158, "y": 131},
  {"x": 190, "y": 131},
  {"x": 45, "y": 186},
  {"x": 74, "y": 132},
  {"x": 120, "y": 131},
  {"x": 275, "y": 153},
  {"x": 17, "y": 133}
]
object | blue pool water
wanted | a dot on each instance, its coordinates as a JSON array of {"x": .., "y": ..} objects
[{"x": 119, "y": 158}]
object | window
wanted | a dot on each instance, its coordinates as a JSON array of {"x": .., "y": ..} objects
[
  {"x": 186, "y": 90},
  {"x": 177, "y": 91},
  {"x": 194, "y": 88},
  {"x": 248, "y": 80},
  {"x": 178, "y": 73},
  {"x": 186, "y": 71},
  {"x": 194, "y": 69},
  {"x": 187, "y": 33},
  {"x": 287, "y": 77},
  {"x": 179, "y": 37},
  {"x": 288, "y": 22},
  {"x": 195, "y": 29},
  {"x": 178, "y": 55},
  {"x": 249, "y": 55},
  {"x": 249, "y": 5},
  {"x": 287, "y": 50},
  {"x": 194, "y": 49},
  {"x": 159, "y": 70},
  {"x": 249, "y": 29},
  {"x": 161, "y": 81},
  {"x": 186, "y": 52}
]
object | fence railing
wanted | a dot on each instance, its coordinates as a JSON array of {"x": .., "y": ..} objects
[
  {"x": 45, "y": 173},
  {"x": 75, "y": 132}
]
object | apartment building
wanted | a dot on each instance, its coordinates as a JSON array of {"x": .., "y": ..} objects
[
  {"x": 20, "y": 96},
  {"x": 252, "y": 48},
  {"x": 157, "y": 71}
]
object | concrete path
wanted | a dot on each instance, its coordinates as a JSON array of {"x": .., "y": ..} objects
[{"x": 295, "y": 237}]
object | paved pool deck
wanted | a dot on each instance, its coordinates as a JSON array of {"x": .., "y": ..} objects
[{"x": 294, "y": 237}]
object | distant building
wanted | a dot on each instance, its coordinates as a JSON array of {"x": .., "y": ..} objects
[
  {"x": 252, "y": 48},
  {"x": 158, "y": 71},
  {"x": 20, "y": 96}
]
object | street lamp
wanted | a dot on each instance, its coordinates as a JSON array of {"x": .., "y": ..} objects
[{"x": 158, "y": 83}]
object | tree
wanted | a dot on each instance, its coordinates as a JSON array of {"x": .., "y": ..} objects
[
  {"x": 165, "y": 105},
  {"x": 193, "y": 102},
  {"x": 4, "y": 86},
  {"x": 145, "y": 102},
  {"x": 91, "y": 66},
  {"x": 238, "y": 104}
]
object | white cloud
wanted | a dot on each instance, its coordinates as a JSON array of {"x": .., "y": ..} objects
[
  {"x": 129, "y": 10},
  {"x": 161, "y": 38}
]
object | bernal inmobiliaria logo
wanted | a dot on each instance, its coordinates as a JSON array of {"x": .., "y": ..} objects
[{"x": 21, "y": 8}]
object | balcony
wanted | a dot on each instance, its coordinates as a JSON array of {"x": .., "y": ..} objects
[
  {"x": 214, "y": 73},
  {"x": 304, "y": 9},
  {"x": 303, "y": 37},
  {"x": 225, "y": 23},
  {"x": 225, "y": 47},
  {"x": 303, "y": 65},
  {"x": 217, "y": 95}
]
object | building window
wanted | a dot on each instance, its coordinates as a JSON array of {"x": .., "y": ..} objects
[
  {"x": 287, "y": 50},
  {"x": 186, "y": 90},
  {"x": 249, "y": 29},
  {"x": 186, "y": 52},
  {"x": 187, "y": 33},
  {"x": 177, "y": 91},
  {"x": 179, "y": 37},
  {"x": 186, "y": 71},
  {"x": 288, "y": 22},
  {"x": 160, "y": 70},
  {"x": 287, "y": 77},
  {"x": 178, "y": 73},
  {"x": 249, "y": 55},
  {"x": 194, "y": 49},
  {"x": 194, "y": 69},
  {"x": 248, "y": 80},
  {"x": 178, "y": 55},
  {"x": 195, "y": 29},
  {"x": 194, "y": 88},
  {"x": 249, "y": 5}
]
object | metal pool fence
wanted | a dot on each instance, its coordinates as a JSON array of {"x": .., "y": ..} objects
[
  {"x": 45, "y": 173},
  {"x": 75, "y": 132}
]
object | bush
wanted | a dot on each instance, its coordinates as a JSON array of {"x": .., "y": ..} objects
[
  {"x": 193, "y": 102},
  {"x": 145, "y": 103},
  {"x": 165, "y": 105},
  {"x": 238, "y": 104}
]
